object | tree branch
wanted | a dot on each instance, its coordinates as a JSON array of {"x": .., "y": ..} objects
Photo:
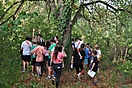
[
  {"x": 105, "y": 3},
  {"x": 9, "y": 9},
  {"x": 77, "y": 14},
  {"x": 49, "y": 12},
  {"x": 51, "y": 4},
  {"x": 22, "y": 1},
  {"x": 94, "y": 2}
]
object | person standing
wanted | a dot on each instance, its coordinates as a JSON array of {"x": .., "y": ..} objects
[
  {"x": 57, "y": 62},
  {"x": 39, "y": 51},
  {"x": 90, "y": 56},
  {"x": 77, "y": 60},
  {"x": 39, "y": 36},
  {"x": 86, "y": 61},
  {"x": 94, "y": 67},
  {"x": 26, "y": 56},
  {"x": 96, "y": 47},
  {"x": 33, "y": 56},
  {"x": 78, "y": 43},
  {"x": 47, "y": 58},
  {"x": 51, "y": 51}
]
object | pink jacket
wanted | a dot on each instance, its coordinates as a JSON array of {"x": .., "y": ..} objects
[{"x": 39, "y": 52}]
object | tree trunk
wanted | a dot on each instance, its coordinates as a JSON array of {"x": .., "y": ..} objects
[
  {"x": 115, "y": 56},
  {"x": 68, "y": 47},
  {"x": 126, "y": 53},
  {"x": 121, "y": 58}
]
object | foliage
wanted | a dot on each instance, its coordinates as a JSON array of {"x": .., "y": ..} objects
[
  {"x": 63, "y": 21},
  {"x": 125, "y": 70},
  {"x": 10, "y": 60},
  {"x": 96, "y": 24}
]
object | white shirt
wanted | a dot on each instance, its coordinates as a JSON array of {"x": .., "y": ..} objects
[
  {"x": 78, "y": 44},
  {"x": 26, "y": 46},
  {"x": 98, "y": 53}
]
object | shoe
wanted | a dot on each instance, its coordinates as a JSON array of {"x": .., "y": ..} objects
[
  {"x": 95, "y": 83},
  {"x": 78, "y": 75},
  {"x": 39, "y": 75},
  {"x": 48, "y": 77},
  {"x": 52, "y": 77},
  {"x": 53, "y": 82},
  {"x": 33, "y": 73},
  {"x": 23, "y": 71}
]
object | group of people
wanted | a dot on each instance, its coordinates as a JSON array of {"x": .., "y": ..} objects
[
  {"x": 85, "y": 57},
  {"x": 38, "y": 52}
]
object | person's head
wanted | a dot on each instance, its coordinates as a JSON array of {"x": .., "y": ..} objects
[
  {"x": 39, "y": 36},
  {"x": 72, "y": 39},
  {"x": 96, "y": 47},
  {"x": 87, "y": 45},
  {"x": 94, "y": 52},
  {"x": 58, "y": 48},
  {"x": 47, "y": 44},
  {"x": 52, "y": 41},
  {"x": 28, "y": 38},
  {"x": 90, "y": 46},
  {"x": 34, "y": 41},
  {"x": 82, "y": 46},
  {"x": 77, "y": 38}
]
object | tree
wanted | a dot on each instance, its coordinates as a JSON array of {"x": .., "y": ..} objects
[{"x": 67, "y": 12}]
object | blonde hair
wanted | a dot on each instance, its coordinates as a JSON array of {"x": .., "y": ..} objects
[{"x": 96, "y": 46}]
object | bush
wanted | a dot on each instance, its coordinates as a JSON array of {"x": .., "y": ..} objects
[{"x": 125, "y": 70}]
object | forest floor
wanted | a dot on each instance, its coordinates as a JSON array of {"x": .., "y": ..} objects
[{"x": 69, "y": 80}]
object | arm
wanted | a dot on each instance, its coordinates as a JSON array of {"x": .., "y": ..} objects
[
  {"x": 21, "y": 47},
  {"x": 51, "y": 58},
  {"x": 92, "y": 66},
  {"x": 72, "y": 59},
  {"x": 34, "y": 50},
  {"x": 64, "y": 52}
]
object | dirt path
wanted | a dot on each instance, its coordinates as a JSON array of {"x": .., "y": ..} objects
[{"x": 69, "y": 80}]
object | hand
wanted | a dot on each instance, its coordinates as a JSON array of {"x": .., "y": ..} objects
[
  {"x": 63, "y": 65},
  {"x": 71, "y": 61},
  {"x": 62, "y": 48}
]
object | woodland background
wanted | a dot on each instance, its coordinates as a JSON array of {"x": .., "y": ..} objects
[{"x": 107, "y": 23}]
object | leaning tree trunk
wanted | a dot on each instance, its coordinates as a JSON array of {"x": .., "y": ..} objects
[
  {"x": 64, "y": 27},
  {"x": 68, "y": 46}
]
